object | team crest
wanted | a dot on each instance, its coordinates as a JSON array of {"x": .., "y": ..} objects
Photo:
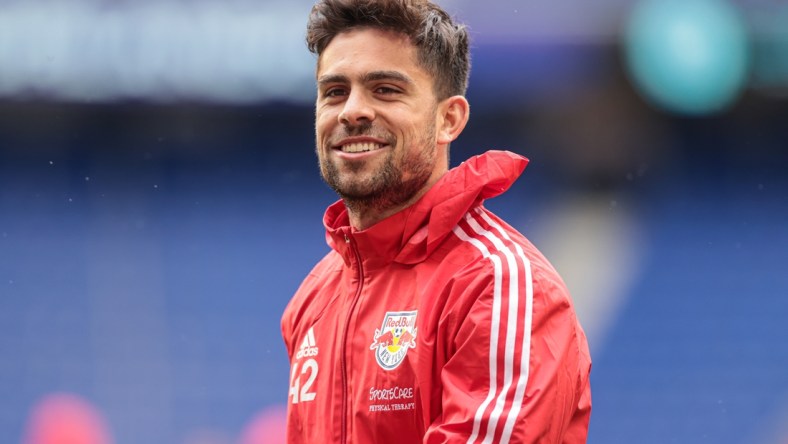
[{"x": 394, "y": 338}]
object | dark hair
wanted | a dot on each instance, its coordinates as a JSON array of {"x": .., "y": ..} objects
[{"x": 441, "y": 44}]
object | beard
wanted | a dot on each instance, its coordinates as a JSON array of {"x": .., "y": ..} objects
[{"x": 401, "y": 175}]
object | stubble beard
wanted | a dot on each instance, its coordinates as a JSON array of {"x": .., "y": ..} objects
[{"x": 400, "y": 177}]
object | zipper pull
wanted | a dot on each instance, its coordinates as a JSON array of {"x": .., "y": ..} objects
[{"x": 347, "y": 239}]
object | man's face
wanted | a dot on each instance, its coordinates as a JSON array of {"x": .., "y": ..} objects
[{"x": 375, "y": 123}]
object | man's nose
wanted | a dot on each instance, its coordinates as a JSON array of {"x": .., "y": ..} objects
[{"x": 357, "y": 109}]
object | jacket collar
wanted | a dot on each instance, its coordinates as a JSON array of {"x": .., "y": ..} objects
[{"x": 409, "y": 236}]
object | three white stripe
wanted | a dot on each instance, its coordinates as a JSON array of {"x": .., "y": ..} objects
[{"x": 514, "y": 295}]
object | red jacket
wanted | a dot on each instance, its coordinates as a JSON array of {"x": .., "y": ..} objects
[{"x": 438, "y": 324}]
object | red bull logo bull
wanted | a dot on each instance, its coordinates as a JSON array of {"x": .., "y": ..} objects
[
  {"x": 406, "y": 339},
  {"x": 384, "y": 340},
  {"x": 395, "y": 337}
]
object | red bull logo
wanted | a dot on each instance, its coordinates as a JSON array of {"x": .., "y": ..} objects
[{"x": 395, "y": 337}]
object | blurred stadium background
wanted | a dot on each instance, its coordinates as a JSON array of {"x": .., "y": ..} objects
[{"x": 160, "y": 202}]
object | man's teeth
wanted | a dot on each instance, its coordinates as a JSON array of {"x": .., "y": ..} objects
[{"x": 360, "y": 147}]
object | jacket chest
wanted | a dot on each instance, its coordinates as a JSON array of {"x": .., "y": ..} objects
[{"x": 361, "y": 355}]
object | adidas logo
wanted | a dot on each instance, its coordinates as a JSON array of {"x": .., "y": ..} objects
[{"x": 308, "y": 347}]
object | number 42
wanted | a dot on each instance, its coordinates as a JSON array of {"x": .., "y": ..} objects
[{"x": 310, "y": 368}]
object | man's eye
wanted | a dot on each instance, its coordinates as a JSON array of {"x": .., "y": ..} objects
[
  {"x": 386, "y": 90},
  {"x": 334, "y": 92}
]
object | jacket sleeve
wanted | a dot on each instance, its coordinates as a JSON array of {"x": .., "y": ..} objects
[
  {"x": 517, "y": 364},
  {"x": 286, "y": 327}
]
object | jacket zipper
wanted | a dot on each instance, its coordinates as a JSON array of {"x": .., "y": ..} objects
[{"x": 343, "y": 359}]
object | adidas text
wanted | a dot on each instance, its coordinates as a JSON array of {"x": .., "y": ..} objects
[{"x": 306, "y": 352}]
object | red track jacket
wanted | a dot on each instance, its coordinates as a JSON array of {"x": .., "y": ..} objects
[{"x": 440, "y": 324}]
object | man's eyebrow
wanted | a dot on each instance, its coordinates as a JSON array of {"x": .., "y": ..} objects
[
  {"x": 332, "y": 78},
  {"x": 368, "y": 77},
  {"x": 387, "y": 75}
]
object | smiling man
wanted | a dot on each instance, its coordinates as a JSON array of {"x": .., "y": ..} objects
[
  {"x": 382, "y": 137},
  {"x": 431, "y": 319}
]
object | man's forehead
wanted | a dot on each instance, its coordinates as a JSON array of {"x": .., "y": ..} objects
[{"x": 386, "y": 49}]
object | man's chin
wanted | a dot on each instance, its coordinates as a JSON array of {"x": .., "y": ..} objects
[
  {"x": 356, "y": 184},
  {"x": 355, "y": 192}
]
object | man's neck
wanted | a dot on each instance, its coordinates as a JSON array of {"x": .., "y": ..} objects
[{"x": 364, "y": 214}]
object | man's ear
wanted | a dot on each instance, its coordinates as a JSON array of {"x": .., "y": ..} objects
[{"x": 453, "y": 114}]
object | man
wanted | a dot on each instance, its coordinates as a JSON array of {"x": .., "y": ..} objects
[{"x": 431, "y": 320}]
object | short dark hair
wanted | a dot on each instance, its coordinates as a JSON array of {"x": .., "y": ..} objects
[{"x": 441, "y": 44}]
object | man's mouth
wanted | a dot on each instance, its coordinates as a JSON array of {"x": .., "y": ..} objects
[{"x": 360, "y": 147}]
